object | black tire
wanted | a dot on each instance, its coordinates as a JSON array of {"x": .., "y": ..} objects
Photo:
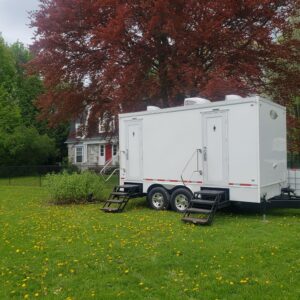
[
  {"x": 180, "y": 199},
  {"x": 158, "y": 198}
]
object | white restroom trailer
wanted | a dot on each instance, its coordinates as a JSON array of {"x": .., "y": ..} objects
[{"x": 237, "y": 145}]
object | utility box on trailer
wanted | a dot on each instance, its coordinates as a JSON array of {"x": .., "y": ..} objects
[{"x": 237, "y": 145}]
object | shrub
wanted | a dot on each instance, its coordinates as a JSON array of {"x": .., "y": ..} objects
[
  {"x": 69, "y": 167},
  {"x": 68, "y": 188}
]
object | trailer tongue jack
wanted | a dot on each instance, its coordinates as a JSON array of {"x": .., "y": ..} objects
[{"x": 287, "y": 199}]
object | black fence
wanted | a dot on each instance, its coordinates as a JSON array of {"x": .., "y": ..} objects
[
  {"x": 26, "y": 175},
  {"x": 34, "y": 175}
]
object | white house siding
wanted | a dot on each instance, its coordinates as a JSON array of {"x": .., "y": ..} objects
[
  {"x": 115, "y": 157},
  {"x": 71, "y": 153},
  {"x": 93, "y": 154}
]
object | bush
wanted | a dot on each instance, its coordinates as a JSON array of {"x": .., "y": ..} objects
[
  {"x": 67, "y": 188},
  {"x": 69, "y": 167}
]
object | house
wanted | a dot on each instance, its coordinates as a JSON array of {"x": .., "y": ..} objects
[{"x": 93, "y": 149}]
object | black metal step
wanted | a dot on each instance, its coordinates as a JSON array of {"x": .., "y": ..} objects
[
  {"x": 111, "y": 209},
  {"x": 124, "y": 194},
  {"x": 198, "y": 210},
  {"x": 195, "y": 220},
  {"x": 115, "y": 201},
  {"x": 223, "y": 204},
  {"x": 120, "y": 197},
  {"x": 129, "y": 188},
  {"x": 209, "y": 193},
  {"x": 203, "y": 201}
]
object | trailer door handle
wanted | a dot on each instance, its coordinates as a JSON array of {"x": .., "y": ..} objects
[
  {"x": 126, "y": 153},
  {"x": 204, "y": 154}
]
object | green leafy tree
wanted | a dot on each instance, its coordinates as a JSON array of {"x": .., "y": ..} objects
[
  {"x": 21, "y": 143},
  {"x": 7, "y": 67},
  {"x": 29, "y": 87}
]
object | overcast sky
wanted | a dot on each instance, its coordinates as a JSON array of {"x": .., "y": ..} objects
[{"x": 14, "y": 20}]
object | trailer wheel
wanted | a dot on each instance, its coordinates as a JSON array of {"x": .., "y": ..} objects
[
  {"x": 158, "y": 198},
  {"x": 180, "y": 200}
]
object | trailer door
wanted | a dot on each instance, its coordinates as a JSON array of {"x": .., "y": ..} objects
[
  {"x": 134, "y": 150},
  {"x": 215, "y": 148}
]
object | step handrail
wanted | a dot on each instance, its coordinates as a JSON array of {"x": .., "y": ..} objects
[
  {"x": 197, "y": 151},
  {"x": 112, "y": 173},
  {"x": 105, "y": 166}
]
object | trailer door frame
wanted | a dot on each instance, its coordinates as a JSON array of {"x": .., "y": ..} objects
[
  {"x": 134, "y": 150},
  {"x": 215, "y": 147}
]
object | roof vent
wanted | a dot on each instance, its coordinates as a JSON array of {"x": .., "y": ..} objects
[
  {"x": 152, "y": 108},
  {"x": 195, "y": 100},
  {"x": 233, "y": 97}
]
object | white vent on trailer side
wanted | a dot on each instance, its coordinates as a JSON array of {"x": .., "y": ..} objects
[
  {"x": 195, "y": 100},
  {"x": 233, "y": 97},
  {"x": 152, "y": 108}
]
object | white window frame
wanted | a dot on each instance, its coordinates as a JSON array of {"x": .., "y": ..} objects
[
  {"x": 82, "y": 154},
  {"x": 102, "y": 123},
  {"x": 101, "y": 126},
  {"x": 77, "y": 126},
  {"x": 112, "y": 124},
  {"x": 100, "y": 150},
  {"x": 115, "y": 150}
]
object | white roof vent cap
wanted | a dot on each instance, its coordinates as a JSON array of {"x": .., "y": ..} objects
[
  {"x": 195, "y": 100},
  {"x": 152, "y": 108},
  {"x": 233, "y": 97}
]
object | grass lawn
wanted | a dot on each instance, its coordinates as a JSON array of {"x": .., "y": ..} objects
[{"x": 79, "y": 252}]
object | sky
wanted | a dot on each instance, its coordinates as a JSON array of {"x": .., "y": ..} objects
[{"x": 14, "y": 20}]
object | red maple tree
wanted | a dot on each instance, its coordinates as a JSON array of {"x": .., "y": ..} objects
[{"x": 114, "y": 55}]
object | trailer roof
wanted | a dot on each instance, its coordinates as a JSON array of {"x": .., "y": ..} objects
[{"x": 253, "y": 99}]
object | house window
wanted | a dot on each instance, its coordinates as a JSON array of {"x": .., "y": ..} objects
[
  {"x": 115, "y": 148},
  {"x": 101, "y": 125},
  {"x": 106, "y": 125},
  {"x": 78, "y": 130},
  {"x": 112, "y": 124},
  {"x": 102, "y": 150},
  {"x": 79, "y": 154}
]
